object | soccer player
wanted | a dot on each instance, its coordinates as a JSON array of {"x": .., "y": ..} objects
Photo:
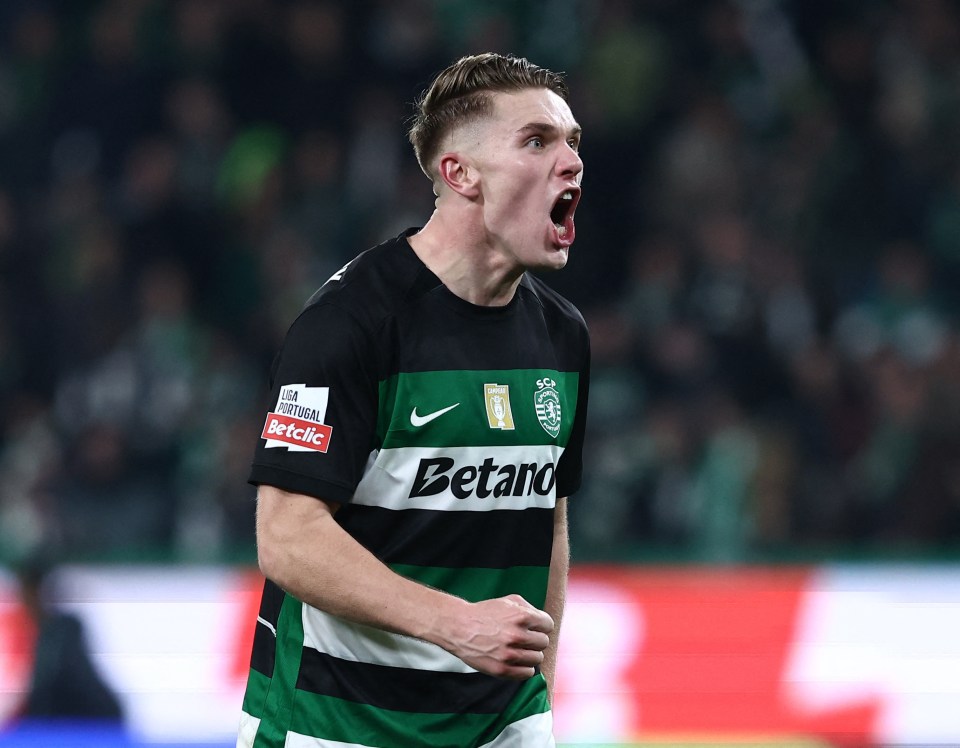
[{"x": 426, "y": 423}]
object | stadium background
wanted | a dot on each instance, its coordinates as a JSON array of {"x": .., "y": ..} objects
[{"x": 768, "y": 257}]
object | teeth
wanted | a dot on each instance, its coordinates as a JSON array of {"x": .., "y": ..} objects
[
  {"x": 567, "y": 196},
  {"x": 561, "y": 230}
]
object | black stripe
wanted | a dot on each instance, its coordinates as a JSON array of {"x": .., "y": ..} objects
[
  {"x": 403, "y": 689},
  {"x": 270, "y": 602},
  {"x": 496, "y": 539},
  {"x": 263, "y": 655}
]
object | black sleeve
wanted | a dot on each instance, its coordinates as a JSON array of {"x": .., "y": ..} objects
[
  {"x": 570, "y": 466},
  {"x": 321, "y": 424}
]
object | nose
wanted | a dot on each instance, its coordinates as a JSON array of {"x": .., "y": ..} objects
[{"x": 570, "y": 163}]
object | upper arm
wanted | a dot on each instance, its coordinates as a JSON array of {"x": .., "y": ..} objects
[
  {"x": 321, "y": 423},
  {"x": 560, "y": 518},
  {"x": 288, "y": 522},
  {"x": 275, "y": 505},
  {"x": 560, "y": 559}
]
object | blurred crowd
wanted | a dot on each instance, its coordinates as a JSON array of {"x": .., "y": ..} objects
[{"x": 768, "y": 252}]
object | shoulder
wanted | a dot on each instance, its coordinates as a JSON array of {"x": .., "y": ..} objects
[
  {"x": 562, "y": 321},
  {"x": 556, "y": 308},
  {"x": 375, "y": 284}
]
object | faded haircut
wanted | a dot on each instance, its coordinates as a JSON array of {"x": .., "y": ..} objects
[{"x": 462, "y": 93}]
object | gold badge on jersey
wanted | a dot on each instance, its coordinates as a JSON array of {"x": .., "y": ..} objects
[{"x": 499, "y": 414}]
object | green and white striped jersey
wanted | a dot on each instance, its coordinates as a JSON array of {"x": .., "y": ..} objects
[{"x": 447, "y": 431}]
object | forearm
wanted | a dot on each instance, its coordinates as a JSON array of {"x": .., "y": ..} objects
[
  {"x": 306, "y": 552},
  {"x": 345, "y": 579},
  {"x": 556, "y": 591}
]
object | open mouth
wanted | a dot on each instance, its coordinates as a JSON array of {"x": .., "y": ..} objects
[{"x": 562, "y": 213}]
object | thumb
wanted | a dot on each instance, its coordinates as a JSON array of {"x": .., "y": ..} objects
[{"x": 539, "y": 620}]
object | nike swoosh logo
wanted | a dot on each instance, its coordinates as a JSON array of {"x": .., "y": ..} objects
[{"x": 421, "y": 420}]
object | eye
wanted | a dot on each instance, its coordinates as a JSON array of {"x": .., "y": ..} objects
[
  {"x": 574, "y": 143},
  {"x": 536, "y": 141}
]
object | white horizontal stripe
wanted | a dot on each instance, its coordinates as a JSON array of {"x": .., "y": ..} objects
[
  {"x": 393, "y": 475},
  {"x": 296, "y": 740},
  {"x": 247, "y": 732},
  {"x": 356, "y": 643},
  {"x": 532, "y": 732}
]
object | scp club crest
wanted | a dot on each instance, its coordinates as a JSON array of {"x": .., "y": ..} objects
[{"x": 547, "y": 402}]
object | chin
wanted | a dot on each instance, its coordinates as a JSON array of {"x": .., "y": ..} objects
[{"x": 556, "y": 260}]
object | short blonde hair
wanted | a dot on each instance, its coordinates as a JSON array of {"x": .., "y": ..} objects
[{"x": 461, "y": 93}]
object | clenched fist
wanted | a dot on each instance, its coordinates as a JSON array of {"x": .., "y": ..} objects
[{"x": 504, "y": 637}]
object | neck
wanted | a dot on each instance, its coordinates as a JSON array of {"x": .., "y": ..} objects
[{"x": 461, "y": 255}]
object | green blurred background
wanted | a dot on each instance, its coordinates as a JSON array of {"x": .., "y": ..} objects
[{"x": 767, "y": 255}]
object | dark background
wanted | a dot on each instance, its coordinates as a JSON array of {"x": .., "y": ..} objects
[{"x": 768, "y": 254}]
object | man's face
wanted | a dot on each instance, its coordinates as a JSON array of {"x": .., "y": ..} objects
[{"x": 529, "y": 170}]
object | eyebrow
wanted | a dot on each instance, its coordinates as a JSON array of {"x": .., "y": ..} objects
[{"x": 544, "y": 128}]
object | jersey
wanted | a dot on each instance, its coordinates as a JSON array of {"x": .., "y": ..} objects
[{"x": 446, "y": 431}]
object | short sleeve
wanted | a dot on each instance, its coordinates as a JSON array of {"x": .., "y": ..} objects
[
  {"x": 570, "y": 466},
  {"x": 320, "y": 426}
]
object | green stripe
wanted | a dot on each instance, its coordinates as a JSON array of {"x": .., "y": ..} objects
[
  {"x": 255, "y": 697},
  {"x": 278, "y": 707},
  {"x": 468, "y": 423},
  {"x": 530, "y": 582},
  {"x": 336, "y": 719}
]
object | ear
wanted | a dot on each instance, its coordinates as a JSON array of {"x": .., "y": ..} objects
[{"x": 459, "y": 174}]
